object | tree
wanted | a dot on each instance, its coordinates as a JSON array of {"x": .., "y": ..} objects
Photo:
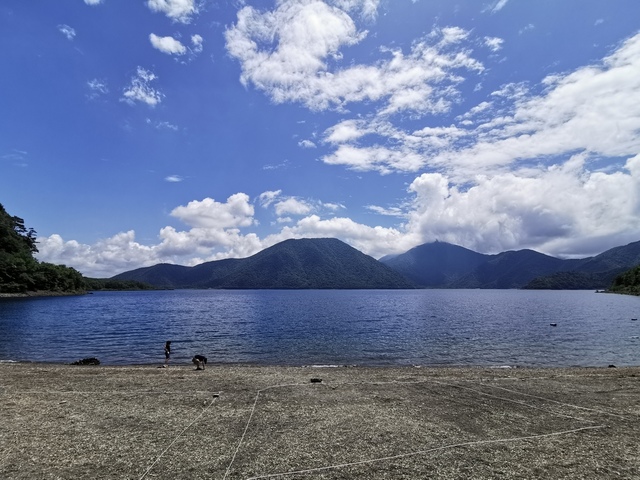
[{"x": 20, "y": 272}]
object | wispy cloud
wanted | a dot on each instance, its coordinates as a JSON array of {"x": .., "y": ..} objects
[
  {"x": 498, "y": 5},
  {"x": 97, "y": 88},
  {"x": 174, "y": 179},
  {"x": 140, "y": 89},
  {"x": 494, "y": 43},
  {"x": 16, "y": 157},
  {"x": 67, "y": 31}
]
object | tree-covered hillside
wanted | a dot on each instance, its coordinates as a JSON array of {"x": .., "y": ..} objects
[
  {"x": 308, "y": 263},
  {"x": 20, "y": 272},
  {"x": 628, "y": 282}
]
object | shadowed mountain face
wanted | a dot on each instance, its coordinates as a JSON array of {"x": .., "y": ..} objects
[
  {"x": 322, "y": 263},
  {"x": 442, "y": 265}
]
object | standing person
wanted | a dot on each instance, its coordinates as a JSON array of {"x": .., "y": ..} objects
[{"x": 167, "y": 353}]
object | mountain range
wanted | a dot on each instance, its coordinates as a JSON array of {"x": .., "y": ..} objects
[
  {"x": 442, "y": 265},
  {"x": 327, "y": 263},
  {"x": 318, "y": 263}
]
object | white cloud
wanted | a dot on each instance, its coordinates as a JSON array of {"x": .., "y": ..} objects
[
  {"x": 93, "y": 2},
  {"x": 294, "y": 55},
  {"x": 67, "y": 31},
  {"x": 177, "y": 10},
  {"x": 498, "y": 5},
  {"x": 236, "y": 212},
  {"x": 562, "y": 116},
  {"x": 267, "y": 198},
  {"x": 140, "y": 89},
  {"x": 494, "y": 43},
  {"x": 544, "y": 208},
  {"x": 196, "y": 41},
  {"x": 168, "y": 45},
  {"x": 307, "y": 144},
  {"x": 292, "y": 206},
  {"x": 174, "y": 179},
  {"x": 367, "y": 8},
  {"x": 97, "y": 88}
]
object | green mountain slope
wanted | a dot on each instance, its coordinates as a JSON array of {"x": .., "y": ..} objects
[{"x": 321, "y": 263}]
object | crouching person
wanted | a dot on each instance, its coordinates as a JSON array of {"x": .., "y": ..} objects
[{"x": 199, "y": 361}]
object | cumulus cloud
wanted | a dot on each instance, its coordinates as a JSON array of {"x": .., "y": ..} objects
[
  {"x": 547, "y": 209},
  {"x": 174, "y": 179},
  {"x": 67, "y": 31},
  {"x": 306, "y": 144},
  {"x": 521, "y": 169},
  {"x": 168, "y": 45},
  {"x": 292, "y": 206},
  {"x": 562, "y": 209},
  {"x": 236, "y": 212},
  {"x": 562, "y": 116},
  {"x": 140, "y": 89},
  {"x": 294, "y": 54},
  {"x": 177, "y": 10},
  {"x": 93, "y": 2}
]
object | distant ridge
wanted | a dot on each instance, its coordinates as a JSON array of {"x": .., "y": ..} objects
[
  {"x": 442, "y": 265},
  {"x": 320, "y": 263}
]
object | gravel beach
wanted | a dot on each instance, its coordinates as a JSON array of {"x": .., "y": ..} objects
[{"x": 242, "y": 422}]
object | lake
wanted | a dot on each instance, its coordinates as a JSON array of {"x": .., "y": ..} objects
[{"x": 327, "y": 327}]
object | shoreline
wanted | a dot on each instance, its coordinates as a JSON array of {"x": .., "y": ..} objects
[
  {"x": 246, "y": 421},
  {"x": 159, "y": 364}
]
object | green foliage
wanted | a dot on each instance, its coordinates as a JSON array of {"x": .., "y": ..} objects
[
  {"x": 20, "y": 272},
  {"x": 628, "y": 282},
  {"x": 567, "y": 281},
  {"x": 96, "y": 284}
]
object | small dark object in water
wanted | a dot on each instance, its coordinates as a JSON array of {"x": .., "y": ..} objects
[
  {"x": 634, "y": 319},
  {"x": 316, "y": 380},
  {"x": 87, "y": 361},
  {"x": 553, "y": 324},
  {"x": 612, "y": 366}
]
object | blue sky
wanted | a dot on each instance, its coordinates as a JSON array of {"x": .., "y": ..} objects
[{"x": 144, "y": 131}]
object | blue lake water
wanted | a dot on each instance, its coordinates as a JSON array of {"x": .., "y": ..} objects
[{"x": 337, "y": 327}]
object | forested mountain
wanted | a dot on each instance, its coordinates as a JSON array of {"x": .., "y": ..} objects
[
  {"x": 441, "y": 265},
  {"x": 435, "y": 264},
  {"x": 319, "y": 263},
  {"x": 593, "y": 272}
]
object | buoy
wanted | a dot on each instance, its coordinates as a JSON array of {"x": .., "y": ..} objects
[{"x": 553, "y": 324}]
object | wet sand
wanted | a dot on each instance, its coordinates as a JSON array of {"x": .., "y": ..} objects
[{"x": 240, "y": 422}]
